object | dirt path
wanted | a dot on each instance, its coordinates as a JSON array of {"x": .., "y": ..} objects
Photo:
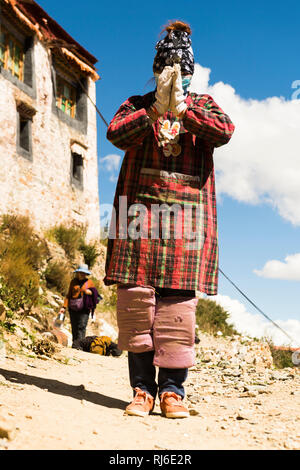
[{"x": 79, "y": 404}]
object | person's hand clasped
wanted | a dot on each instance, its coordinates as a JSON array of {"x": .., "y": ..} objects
[
  {"x": 163, "y": 91},
  {"x": 177, "y": 101}
]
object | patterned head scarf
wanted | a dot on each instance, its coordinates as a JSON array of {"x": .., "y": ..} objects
[{"x": 175, "y": 47}]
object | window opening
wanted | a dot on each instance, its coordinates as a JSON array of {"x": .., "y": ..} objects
[
  {"x": 77, "y": 167},
  {"x": 11, "y": 54},
  {"x": 24, "y": 133},
  {"x": 65, "y": 96}
]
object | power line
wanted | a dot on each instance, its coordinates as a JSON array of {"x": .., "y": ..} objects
[{"x": 255, "y": 306}]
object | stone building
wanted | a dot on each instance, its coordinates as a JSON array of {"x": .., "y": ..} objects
[{"x": 48, "y": 138}]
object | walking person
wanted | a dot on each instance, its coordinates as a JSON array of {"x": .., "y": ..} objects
[
  {"x": 166, "y": 246},
  {"x": 82, "y": 297}
]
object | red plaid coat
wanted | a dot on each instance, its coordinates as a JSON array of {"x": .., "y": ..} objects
[{"x": 148, "y": 177}]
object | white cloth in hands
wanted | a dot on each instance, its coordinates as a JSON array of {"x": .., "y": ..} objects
[
  {"x": 177, "y": 101},
  {"x": 163, "y": 91}
]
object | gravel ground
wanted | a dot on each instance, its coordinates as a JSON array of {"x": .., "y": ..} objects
[{"x": 76, "y": 400}]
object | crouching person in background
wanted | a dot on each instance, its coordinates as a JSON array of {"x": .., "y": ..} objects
[{"x": 102, "y": 345}]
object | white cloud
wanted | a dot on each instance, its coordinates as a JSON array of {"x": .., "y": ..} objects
[
  {"x": 288, "y": 270},
  {"x": 113, "y": 178},
  {"x": 261, "y": 163},
  {"x": 256, "y": 326},
  {"x": 111, "y": 162}
]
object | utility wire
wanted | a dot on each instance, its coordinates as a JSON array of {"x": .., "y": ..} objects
[
  {"x": 231, "y": 282},
  {"x": 257, "y": 308}
]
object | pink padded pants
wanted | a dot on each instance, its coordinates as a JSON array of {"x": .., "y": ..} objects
[{"x": 165, "y": 325}]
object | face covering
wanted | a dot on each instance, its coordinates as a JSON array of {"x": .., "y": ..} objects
[
  {"x": 186, "y": 81},
  {"x": 176, "y": 45}
]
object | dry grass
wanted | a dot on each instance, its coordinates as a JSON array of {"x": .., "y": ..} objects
[
  {"x": 281, "y": 357},
  {"x": 212, "y": 318},
  {"x": 69, "y": 238},
  {"x": 22, "y": 253},
  {"x": 89, "y": 252},
  {"x": 58, "y": 275}
]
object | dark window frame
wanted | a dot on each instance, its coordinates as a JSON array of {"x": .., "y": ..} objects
[
  {"x": 26, "y": 40},
  {"x": 77, "y": 170},
  {"x": 9, "y": 61},
  {"x": 24, "y": 136},
  {"x": 80, "y": 120},
  {"x": 70, "y": 101}
]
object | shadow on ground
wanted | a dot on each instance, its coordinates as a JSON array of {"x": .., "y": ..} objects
[{"x": 62, "y": 388}]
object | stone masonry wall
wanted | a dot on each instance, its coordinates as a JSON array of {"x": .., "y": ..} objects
[{"x": 41, "y": 188}]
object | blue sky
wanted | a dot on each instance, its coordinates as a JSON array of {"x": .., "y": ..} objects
[{"x": 252, "y": 48}]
